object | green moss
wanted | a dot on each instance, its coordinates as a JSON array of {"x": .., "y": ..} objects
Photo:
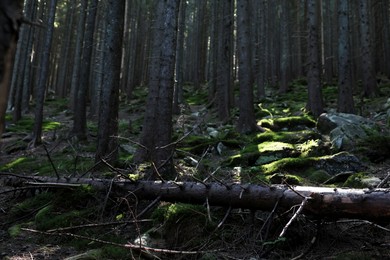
[
  {"x": 115, "y": 252},
  {"x": 309, "y": 148},
  {"x": 317, "y": 176},
  {"x": 15, "y": 230},
  {"x": 58, "y": 104},
  {"x": 250, "y": 154},
  {"x": 375, "y": 147},
  {"x": 286, "y": 164},
  {"x": 355, "y": 181},
  {"x": 197, "y": 97},
  {"x": 13, "y": 164},
  {"x": 287, "y": 136},
  {"x": 30, "y": 205},
  {"x": 50, "y": 125},
  {"x": 287, "y": 122},
  {"x": 171, "y": 213},
  {"x": 279, "y": 178}
]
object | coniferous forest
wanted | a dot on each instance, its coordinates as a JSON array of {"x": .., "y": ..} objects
[{"x": 194, "y": 129}]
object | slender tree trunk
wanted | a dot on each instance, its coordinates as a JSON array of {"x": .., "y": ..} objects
[
  {"x": 80, "y": 112},
  {"x": 107, "y": 146},
  {"x": 246, "y": 120},
  {"x": 285, "y": 47},
  {"x": 345, "y": 94},
  {"x": 65, "y": 52},
  {"x": 10, "y": 15},
  {"x": 178, "y": 90},
  {"x": 369, "y": 79},
  {"x": 315, "y": 102},
  {"x": 43, "y": 76},
  {"x": 156, "y": 136},
  {"x": 224, "y": 70},
  {"x": 76, "y": 64}
]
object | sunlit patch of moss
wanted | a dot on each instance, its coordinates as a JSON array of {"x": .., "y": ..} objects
[
  {"x": 309, "y": 148},
  {"x": 26, "y": 124},
  {"x": 287, "y": 136},
  {"x": 13, "y": 163},
  {"x": 287, "y": 122},
  {"x": 250, "y": 154},
  {"x": 50, "y": 125},
  {"x": 285, "y": 164}
]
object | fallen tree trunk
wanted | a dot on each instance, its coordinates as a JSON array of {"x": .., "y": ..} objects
[{"x": 372, "y": 204}]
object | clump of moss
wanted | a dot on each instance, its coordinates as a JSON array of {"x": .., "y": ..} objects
[
  {"x": 355, "y": 181},
  {"x": 291, "y": 122},
  {"x": 375, "y": 147}
]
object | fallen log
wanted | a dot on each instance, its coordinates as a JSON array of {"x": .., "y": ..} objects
[{"x": 322, "y": 202}]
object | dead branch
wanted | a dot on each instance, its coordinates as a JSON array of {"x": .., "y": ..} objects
[{"x": 334, "y": 203}]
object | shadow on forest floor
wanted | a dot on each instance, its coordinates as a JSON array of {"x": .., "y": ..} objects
[{"x": 209, "y": 151}]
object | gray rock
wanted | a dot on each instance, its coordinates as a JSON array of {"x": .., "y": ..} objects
[
  {"x": 344, "y": 130},
  {"x": 329, "y": 121},
  {"x": 340, "y": 162}
]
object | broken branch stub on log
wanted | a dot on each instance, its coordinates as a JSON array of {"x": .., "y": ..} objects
[{"x": 372, "y": 204}]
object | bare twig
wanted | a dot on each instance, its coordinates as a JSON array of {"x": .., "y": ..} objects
[
  {"x": 301, "y": 206},
  {"x": 95, "y": 225},
  {"x": 224, "y": 218},
  {"x": 151, "y": 205},
  {"x": 384, "y": 181},
  {"x": 51, "y": 162},
  {"x": 128, "y": 245}
]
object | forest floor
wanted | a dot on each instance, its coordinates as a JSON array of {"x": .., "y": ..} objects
[{"x": 99, "y": 226}]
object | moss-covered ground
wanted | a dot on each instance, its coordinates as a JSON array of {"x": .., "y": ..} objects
[{"x": 98, "y": 226}]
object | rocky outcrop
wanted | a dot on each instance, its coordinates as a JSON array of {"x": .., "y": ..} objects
[{"x": 345, "y": 130}]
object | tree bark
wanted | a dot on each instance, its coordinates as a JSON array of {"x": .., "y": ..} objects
[
  {"x": 10, "y": 15},
  {"x": 345, "y": 95},
  {"x": 107, "y": 146},
  {"x": 315, "y": 102},
  {"x": 323, "y": 202},
  {"x": 246, "y": 121}
]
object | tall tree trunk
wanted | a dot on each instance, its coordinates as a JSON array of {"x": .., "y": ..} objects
[
  {"x": 107, "y": 146},
  {"x": 156, "y": 136},
  {"x": 246, "y": 121},
  {"x": 369, "y": 79},
  {"x": 43, "y": 75},
  {"x": 345, "y": 101},
  {"x": 22, "y": 62},
  {"x": 224, "y": 70},
  {"x": 285, "y": 74},
  {"x": 76, "y": 64},
  {"x": 315, "y": 102},
  {"x": 65, "y": 52},
  {"x": 178, "y": 88},
  {"x": 10, "y": 15},
  {"x": 80, "y": 111}
]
